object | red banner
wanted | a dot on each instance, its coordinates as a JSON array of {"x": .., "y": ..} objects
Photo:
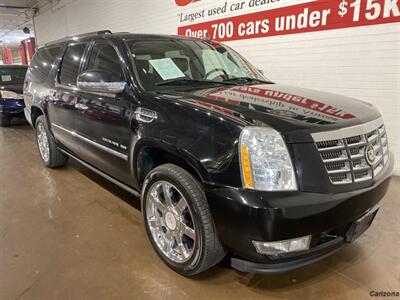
[
  {"x": 184, "y": 2},
  {"x": 313, "y": 16},
  {"x": 296, "y": 100}
]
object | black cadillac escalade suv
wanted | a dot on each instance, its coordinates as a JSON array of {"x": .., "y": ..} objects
[{"x": 227, "y": 163}]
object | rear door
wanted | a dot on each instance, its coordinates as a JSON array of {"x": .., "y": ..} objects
[
  {"x": 64, "y": 97},
  {"x": 103, "y": 120}
]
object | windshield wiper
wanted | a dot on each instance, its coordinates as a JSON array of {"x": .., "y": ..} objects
[
  {"x": 185, "y": 81},
  {"x": 247, "y": 80}
]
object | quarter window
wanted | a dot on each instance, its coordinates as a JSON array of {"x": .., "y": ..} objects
[
  {"x": 42, "y": 63},
  {"x": 70, "y": 64},
  {"x": 105, "y": 58}
]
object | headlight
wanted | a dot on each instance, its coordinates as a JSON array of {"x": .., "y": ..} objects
[
  {"x": 265, "y": 161},
  {"x": 10, "y": 95}
]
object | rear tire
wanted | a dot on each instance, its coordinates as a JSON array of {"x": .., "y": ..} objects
[
  {"x": 178, "y": 221},
  {"x": 48, "y": 150},
  {"x": 5, "y": 121}
]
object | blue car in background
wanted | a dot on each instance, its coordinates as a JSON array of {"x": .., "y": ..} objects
[{"x": 11, "y": 99}]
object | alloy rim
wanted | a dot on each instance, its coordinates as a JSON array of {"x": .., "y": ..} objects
[
  {"x": 43, "y": 142},
  {"x": 170, "y": 221}
]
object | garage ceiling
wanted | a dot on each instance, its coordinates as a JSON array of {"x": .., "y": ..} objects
[{"x": 14, "y": 16}]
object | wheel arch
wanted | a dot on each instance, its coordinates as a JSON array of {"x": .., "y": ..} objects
[
  {"x": 149, "y": 155},
  {"x": 36, "y": 111}
]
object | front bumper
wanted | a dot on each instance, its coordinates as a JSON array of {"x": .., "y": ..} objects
[
  {"x": 12, "y": 108},
  {"x": 27, "y": 113},
  {"x": 313, "y": 255},
  {"x": 242, "y": 216}
]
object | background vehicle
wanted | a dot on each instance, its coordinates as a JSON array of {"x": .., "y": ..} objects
[
  {"x": 225, "y": 160},
  {"x": 11, "y": 99}
]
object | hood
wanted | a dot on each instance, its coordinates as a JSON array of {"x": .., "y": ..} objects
[{"x": 294, "y": 112}]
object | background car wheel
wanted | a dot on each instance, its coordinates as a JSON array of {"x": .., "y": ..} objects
[
  {"x": 5, "y": 122},
  {"x": 49, "y": 152},
  {"x": 178, "y": 221}
]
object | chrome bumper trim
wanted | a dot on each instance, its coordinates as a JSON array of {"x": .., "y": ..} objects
[{"x": 347, "y": 132}]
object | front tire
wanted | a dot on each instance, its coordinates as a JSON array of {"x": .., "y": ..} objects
[
  {"x": 5, "y": 121},
  {"x": 49, "y": 152},
  {"x": 178, "y": 221}
]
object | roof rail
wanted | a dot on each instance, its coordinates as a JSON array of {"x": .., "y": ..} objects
[
  {"x": 100, "y": 32},
  {"x": 107, "y": 31}
]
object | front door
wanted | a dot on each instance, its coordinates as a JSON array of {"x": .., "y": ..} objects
[
  {"x": 103, "y": 120},
  {"x": 63, "y": 98}
]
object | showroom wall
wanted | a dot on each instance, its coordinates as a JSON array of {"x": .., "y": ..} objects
[{"x": 347, "y": 47}]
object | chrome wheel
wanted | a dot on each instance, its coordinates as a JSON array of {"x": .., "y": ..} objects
[
  {"x": 170, "y": 221},
  {"x": 43, "y": 142}
]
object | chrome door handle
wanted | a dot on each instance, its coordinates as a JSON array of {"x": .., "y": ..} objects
[
  {"x": 53, "y": 96},
  {"x": 145, "y": 115},
  {"x": 81, "y": 106}
]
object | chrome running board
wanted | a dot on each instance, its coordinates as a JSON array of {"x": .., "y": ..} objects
[{"x": 104, "y": 175}]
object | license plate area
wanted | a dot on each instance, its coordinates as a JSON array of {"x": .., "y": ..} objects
[{"x": 359, "y": 226}]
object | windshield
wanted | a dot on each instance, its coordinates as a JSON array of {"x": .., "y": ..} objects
[
  {"x": 160, "y": 62},
  {"x": 12, "y": 75}
]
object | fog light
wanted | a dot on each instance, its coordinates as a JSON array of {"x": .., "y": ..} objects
[{"x": 274, "y": 248}]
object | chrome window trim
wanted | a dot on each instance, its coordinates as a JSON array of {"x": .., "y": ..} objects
[
  {"x": 104, "y": 148},
  {"x": 347, "y": 132}
]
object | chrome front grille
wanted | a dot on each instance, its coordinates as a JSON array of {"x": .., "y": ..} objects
[{"x": 347, "y": 154}]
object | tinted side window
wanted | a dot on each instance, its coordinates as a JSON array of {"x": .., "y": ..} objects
[
  {"x": 105, "y": 58},
  {"x": 70, "y": 64},
  {"x": 42, "y": 63}
]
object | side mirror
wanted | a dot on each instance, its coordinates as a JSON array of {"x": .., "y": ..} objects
[{"x": 99, "y": 82}]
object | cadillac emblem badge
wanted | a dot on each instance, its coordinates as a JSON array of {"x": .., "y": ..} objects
[{"x": 370, "y": 155}]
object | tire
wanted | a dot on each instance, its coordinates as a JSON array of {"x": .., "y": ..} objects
[
  {"x": 5, "y": 121},
  {"x": 194, "y": 228},
  {"x": 51, "y": 156}
]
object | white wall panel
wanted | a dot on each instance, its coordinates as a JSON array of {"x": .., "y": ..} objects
[{"x": 362, "y": 62}]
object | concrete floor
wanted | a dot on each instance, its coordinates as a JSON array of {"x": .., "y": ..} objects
[{"x": 69, "y": 234}]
